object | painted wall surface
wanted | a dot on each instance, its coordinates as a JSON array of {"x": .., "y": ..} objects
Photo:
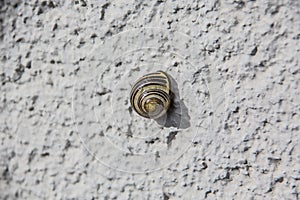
[{"x": 68, "y": 131}]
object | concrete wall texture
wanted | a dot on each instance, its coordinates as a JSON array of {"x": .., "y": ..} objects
[{"x": 67, "y": 130}]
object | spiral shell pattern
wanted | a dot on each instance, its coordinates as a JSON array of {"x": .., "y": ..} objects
[{"x": 150, "y": 95}]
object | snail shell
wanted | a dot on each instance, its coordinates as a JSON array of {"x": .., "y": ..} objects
[{"x": 150, "y": 95}]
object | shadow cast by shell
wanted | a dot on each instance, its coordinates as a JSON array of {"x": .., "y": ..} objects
[{"x": 177, "y": 115}]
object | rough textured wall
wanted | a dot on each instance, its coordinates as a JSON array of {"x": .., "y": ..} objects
[{"x": 67, "y": 130}]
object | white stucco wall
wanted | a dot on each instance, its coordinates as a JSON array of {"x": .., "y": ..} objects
[{"x": 67, "y": 130}]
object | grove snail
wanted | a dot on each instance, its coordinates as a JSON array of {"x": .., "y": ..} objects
[{"x": 150, "y": 95}]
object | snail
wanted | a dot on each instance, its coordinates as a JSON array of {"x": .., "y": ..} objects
[{"x": 150, "y": 95}]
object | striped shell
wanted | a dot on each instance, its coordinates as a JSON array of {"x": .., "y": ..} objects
[{"x": 150, "y": 95}]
